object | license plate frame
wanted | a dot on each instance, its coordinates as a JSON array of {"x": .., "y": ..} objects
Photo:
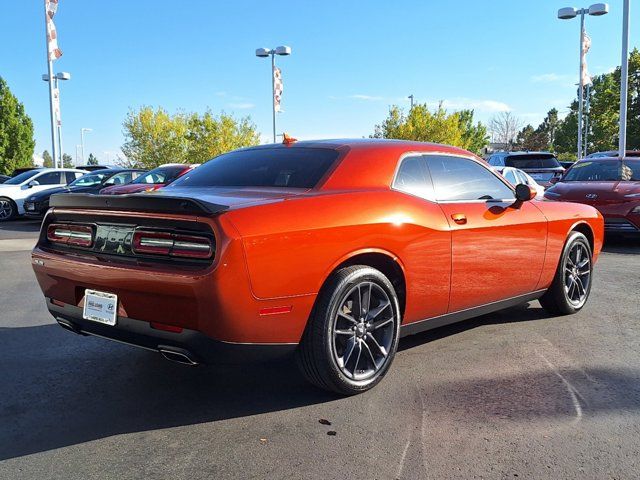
[{"x": 101, "y": 307}]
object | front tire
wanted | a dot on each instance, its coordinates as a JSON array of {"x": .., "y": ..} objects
[
  {"x": 353, "y": 332},
  {"x": 8, "y": 209},
  {"x": 571, "y": 285}
]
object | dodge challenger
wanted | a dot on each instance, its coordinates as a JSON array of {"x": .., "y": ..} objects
[{"x": 327, "y": 250}]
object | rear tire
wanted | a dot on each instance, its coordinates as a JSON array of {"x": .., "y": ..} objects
[
  {"x": 8, "y": 209},
  {"x": 352, "y": 334},
  {"x": 571, "y": 285}
]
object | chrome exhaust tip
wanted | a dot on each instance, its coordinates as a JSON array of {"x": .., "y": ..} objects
[{"x": 178, "y": 355}]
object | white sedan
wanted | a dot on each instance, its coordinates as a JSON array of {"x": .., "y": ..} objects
[
  {"x": 16, "y": 189},
  {"x": 515, "y": 176}
]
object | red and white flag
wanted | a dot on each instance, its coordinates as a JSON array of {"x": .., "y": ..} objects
[
  {"x": 277, "y": 88},
  {"x": 56, "y": 106},
  {"x": 52, "y": 36},
  {"x": 586, "y": 45}
]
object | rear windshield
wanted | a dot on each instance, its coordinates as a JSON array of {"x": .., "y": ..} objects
[
  {"x": 532, "y": 161},
  {"x": 603, "y": 171},
  {"x": 275, "y": 167}
]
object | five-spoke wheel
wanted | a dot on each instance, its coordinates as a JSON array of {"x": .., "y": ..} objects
[{"x": 352, "y": 335}]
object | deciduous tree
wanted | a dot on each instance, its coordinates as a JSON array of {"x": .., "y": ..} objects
[{"x": 16, "y": 132}]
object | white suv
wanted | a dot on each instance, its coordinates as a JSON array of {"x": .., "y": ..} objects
[{"x": 16, "y": 189}]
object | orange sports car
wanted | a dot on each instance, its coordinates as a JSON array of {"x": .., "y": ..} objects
[{"x": 331, "y": 250}]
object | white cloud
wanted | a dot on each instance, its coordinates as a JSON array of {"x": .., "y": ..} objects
[
  {"x": 242, "y": 105},
  {"x": 370, "y": 98},
  {"x": 460, "y": 103}
]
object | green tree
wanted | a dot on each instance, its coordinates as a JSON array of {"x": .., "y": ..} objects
[
  {"x": 67, "y": 161},
  {"x": 92, "y": 160},
  {"x": 548, "y": 129},
  {"x": 16, "y": 132},
  {"x": 474, "y": 137},
  {"x": 47, "y": 160},
  {"x": 421, "y": 124},
  {"x": 154, "y": 137},
  {"x": 208, "y": 135}
]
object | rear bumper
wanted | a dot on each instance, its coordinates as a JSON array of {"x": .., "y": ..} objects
[{"x": 190, "y": 343}]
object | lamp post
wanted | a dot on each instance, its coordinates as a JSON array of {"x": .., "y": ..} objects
[
  {"x": 624, "y": 81},
  {"x": 568, "y": 13},
  {"x": 82, "y": 130},
  {"x": 266, "y": 52},
  {"x": 56, "y": 78},
  {"x": 410, "y": 97}
]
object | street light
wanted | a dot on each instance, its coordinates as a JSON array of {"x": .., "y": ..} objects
[
  {"x": 567, "y": 13},
  {"x": 266, "y": 52},
  {"x": 57, "y": 77},
  {"x": 82, "y": 130},
  {"x": 624, "y": 80}
]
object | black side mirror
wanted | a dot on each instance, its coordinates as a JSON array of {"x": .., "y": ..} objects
[{"x": 524, "y": 192}]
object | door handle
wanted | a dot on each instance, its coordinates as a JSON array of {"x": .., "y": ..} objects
[{"x": 459, "y": 218}]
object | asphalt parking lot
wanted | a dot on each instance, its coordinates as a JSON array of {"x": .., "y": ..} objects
[{"x": 508, "y": 395}]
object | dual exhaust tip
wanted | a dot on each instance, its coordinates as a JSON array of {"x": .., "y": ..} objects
[{"x": 173, "y": 354}]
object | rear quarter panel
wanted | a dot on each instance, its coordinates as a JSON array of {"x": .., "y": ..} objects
[
  {"x": 293, "y": 246},
  {"x": 564, "y": 217}
]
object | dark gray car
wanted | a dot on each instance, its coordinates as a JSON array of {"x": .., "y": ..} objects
[{"x": 541, "y": 166}]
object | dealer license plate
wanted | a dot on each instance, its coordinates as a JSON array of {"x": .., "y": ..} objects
[{"x": 100, "y": 307}]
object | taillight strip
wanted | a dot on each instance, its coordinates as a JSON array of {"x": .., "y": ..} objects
[{"x": 171, "y": 244}]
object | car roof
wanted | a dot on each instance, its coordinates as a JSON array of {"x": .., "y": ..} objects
[{"x": 381, "y": 144}]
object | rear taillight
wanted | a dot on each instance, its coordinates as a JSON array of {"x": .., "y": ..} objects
[
  {"x": 172, "y": 244},
  {"x": 67, "y": 234}
]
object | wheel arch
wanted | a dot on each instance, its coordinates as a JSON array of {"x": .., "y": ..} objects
[
  {"x": 587, "y": 231},
  {"x": 384, "y": 261}
]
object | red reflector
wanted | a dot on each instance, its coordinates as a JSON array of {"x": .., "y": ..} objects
[
  {"x": 274, "y": 310},
  {"x": 166, "y": 328},
  {"x": 69, "y": 234}
]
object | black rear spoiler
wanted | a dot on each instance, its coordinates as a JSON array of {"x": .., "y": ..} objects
[{"x": 136, "y": 203}]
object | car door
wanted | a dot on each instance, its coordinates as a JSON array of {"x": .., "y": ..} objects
[
  {"x": 427, "y": 256},
  {"x": 48, "y": 180},
  {"x": 497, "y": 244}
]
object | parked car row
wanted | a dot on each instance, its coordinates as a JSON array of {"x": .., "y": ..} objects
[{"x": 29, "y": 191}]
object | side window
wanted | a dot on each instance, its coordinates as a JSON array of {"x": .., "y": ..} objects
[
  {"x": 120, "y": 179},
  {"x": 71, "y": 176},
  {"x": 413, "y": 177},
  {"x": 462, "y": 179},
  {"x": 51, "y": 178},
  {"x": 510, "y": 175},
  {"x": 492, "y": 160}
]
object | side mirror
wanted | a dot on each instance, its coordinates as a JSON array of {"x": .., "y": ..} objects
[
  {"x": 524, "y": 193},
  {"x": 33, "y": 183},
  {"x": 554, "y": 180}
]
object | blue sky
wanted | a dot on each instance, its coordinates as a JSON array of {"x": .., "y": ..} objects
[{"x": 350, "y": 60}]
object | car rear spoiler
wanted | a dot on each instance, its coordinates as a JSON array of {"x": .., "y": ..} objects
[{"x": 136, "y": 203}]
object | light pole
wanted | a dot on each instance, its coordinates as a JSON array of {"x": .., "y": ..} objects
[
  {"x": 263, "y": 53},
  {"x": 56, "y": 78},
  {"x": 568, "y": 13},
  {"x": 82, "y": 130},
  {"x": 624, "y": 81},
  {"x": 410, "y": 97}
]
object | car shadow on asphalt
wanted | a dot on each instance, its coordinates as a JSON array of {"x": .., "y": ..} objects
[
  {"x": 61, "y": 390},
  {"x": 622, "y": 244}
]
